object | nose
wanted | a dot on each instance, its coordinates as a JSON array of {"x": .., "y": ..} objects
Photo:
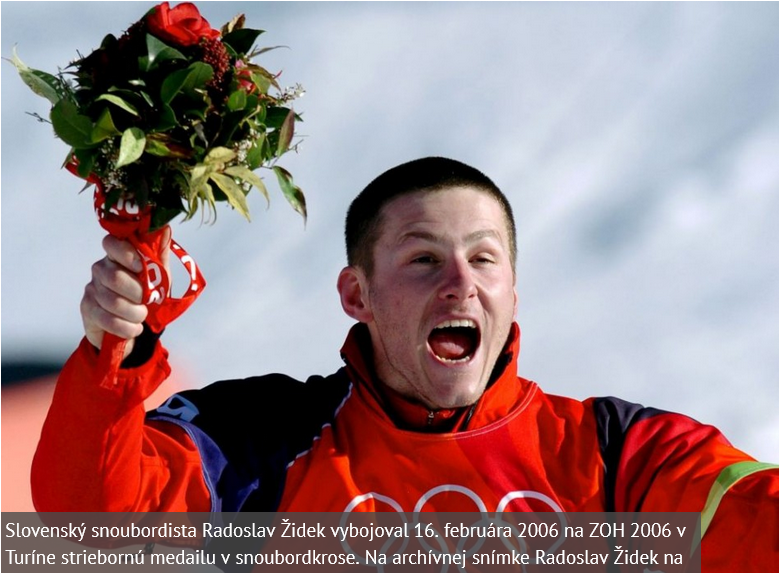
[{"x": 458, "y": 282}]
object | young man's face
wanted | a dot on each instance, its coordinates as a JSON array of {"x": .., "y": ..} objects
[{"x": 441, "y": 299}]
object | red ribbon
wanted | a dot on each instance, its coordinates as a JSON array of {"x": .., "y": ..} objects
[{"x": 127, "y": 221}]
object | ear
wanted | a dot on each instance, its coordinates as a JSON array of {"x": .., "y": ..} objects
[
  {"x": 516, "y": 301},
  {"x": 352, "y": 286}
]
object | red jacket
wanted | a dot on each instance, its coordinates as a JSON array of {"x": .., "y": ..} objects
[{"x": 236, "y": 446}]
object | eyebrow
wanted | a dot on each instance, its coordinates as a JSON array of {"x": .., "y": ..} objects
[{"x": 430, "y": 237}]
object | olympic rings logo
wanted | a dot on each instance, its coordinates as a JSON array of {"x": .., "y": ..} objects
[{"x": 516, "y": 543}]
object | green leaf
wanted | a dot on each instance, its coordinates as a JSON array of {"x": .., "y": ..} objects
[
  {"x": 208, "y": 202},
  {"x": 158, "y": 145},
  {"x": 262, "y": 79},
  {"x": 237, "y": 100},
  {"x": 242, "y": 40},
  {"x": 266, "y": 149},
  {"x": 162, "y": 215},
  {"x": 253, "y": 159},
  {"x": 85, "y": 160},
  {"x": 292, "y": 193},
  {"x": 244, "y": 174},
  {"x": 119, "y": 102},
  {"x": 133, "y": 96},
  {"x": 206, "y": 193},
  {"x": 233, "y": 191},
  {"x": 220, "y": 155},
  {"x": 166, "y": 119},
  {"x": 172, "y": 85},
  {"x": 257, "y": 108},
  {"x": 71, "y": 127},
  {"x": 104, "y": 128},
  {"x": 39, "y": 82},
  {"x": 199, "y": 73},
  {"x": 198, "y": 178},
  {"x": 286, "y": 134},
  {"x": 157, "y": 52},
  {"x": 276, "y": 117},
  {"x": 156, "y": 148},
  {"x": 191, "y": 78},
  {"x": 260, "y": 70},
  {"x": 131, "y": 146},
  {"x": 199, "y": 112}
]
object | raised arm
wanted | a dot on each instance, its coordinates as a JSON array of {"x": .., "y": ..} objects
[{"x": 96, "y": 453}]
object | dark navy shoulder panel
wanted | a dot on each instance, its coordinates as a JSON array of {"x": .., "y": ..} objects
[
  {"x": 614, "y": 417},
  {"x": 248, "y": 431}
]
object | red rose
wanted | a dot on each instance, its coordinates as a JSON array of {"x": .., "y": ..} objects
[{"x": 182, "y": 25}]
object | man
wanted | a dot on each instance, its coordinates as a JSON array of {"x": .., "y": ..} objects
[{"x": 428, "y": 412}]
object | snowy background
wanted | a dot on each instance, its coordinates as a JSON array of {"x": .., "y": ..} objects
[{"x": 638, "y": 143}]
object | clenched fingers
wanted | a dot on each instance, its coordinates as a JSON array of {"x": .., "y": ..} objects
[
  {"x": 111, "y": 279},
  {"x": 97, "y": 321},
  {"x": 122, "y": 253},
  {"x": 112, "y": 300}
]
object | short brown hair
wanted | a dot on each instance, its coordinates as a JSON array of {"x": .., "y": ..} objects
[{"x": 362, "y": 224}]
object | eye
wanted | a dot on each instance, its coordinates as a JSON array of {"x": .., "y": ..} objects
[
  {"x": 483, "y": 259},
  {"x": 424, "y": 260}
]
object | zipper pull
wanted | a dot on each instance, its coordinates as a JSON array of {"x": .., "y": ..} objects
[{"x": 430, "y": 418}]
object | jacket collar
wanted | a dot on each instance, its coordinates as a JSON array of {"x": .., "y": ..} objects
[{"x": 503, "y": 394}]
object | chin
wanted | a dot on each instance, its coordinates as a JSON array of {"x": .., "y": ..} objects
[{"x": 451, "y": 398}]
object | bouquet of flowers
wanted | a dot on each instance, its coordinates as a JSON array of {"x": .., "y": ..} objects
[
  {"x": 173, "y": 115},
  {"x": 170, "y": 118}
]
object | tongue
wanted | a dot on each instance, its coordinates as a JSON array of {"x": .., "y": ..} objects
[{"x": 451, "y": 344}]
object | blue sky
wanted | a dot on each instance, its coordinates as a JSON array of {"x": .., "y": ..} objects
[{"x": 637, "y": 142}]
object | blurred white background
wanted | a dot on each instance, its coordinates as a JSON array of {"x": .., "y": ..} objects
[{"x": 638, "y": 143}]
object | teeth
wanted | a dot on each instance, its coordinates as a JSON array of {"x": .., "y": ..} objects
[
  {"x": 456, "y": 323},
  {"x": 463, "y": 360}
]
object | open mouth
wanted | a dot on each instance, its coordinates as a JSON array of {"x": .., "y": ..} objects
[{"x": 454, "y": 341}]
